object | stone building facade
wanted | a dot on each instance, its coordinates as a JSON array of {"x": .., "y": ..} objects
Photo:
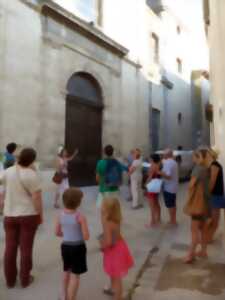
[
  {"x": 215, "y": 28},
  {"x": 86, "y": 74}
]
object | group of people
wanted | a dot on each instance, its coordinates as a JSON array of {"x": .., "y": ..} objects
[
  {"x": 72, "y": 226},
  {"x": 23, "y": 211},
  {"x": 205, "y": 200},
  {"x": 166, "y": 169},
  {"x": 205, "y": 192}
]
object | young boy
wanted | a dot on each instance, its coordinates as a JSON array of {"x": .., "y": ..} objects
[{"x": 71, "y": 225}]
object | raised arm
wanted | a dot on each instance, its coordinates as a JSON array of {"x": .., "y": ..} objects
[{"x": 76, "y": 151}]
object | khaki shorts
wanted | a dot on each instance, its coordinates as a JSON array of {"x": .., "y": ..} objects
[{"x": 101, "y": 197}]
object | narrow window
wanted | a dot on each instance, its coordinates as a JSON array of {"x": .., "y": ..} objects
[
  {"x": 178, "y": 30},
  {"x": 155, "y": 47},
  {"x": 179, "y": 118},
  {"x": 179, "y": 66}
]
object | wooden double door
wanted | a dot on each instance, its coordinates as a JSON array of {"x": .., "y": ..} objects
[{"x": 84, "y": 132}]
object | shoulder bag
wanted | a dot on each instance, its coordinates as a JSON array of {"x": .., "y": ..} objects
[
  {"x": 21, "y": 183},
  {"x": 196, "y": 203},
  {"x": 154, "y": 186}
]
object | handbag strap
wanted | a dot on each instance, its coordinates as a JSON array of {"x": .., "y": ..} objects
[{"x": 21, "y": 182}]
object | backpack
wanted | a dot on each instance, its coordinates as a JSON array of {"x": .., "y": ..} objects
[
  {"x": 8, "y": 161},
  {"x": 113, "y": 173}
]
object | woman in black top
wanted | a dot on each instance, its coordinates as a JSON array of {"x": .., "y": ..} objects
[{"x": 216, "y": 187}]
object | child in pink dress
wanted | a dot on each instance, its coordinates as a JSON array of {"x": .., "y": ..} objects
[{"x": 117, "y": 259}]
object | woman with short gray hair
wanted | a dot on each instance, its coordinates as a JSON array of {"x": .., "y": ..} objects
[{"x": 23, "y": 213}]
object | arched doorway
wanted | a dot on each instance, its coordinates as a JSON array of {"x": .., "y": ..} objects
[{"x": 83, "y": 127}]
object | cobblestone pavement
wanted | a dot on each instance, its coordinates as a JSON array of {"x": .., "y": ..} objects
[{"x": 158, "y": 273}]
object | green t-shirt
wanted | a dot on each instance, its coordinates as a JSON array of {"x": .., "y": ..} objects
[{"x": 100, "y": 170}]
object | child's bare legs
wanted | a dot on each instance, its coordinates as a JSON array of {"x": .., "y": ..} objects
[
  {"x": 117, "y": 288},
  {"x": 73, "y": 285},
  {"x": 65, "y": 283}
]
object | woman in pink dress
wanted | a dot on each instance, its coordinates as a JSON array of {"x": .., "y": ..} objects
[{"x": 117, "y": 259}]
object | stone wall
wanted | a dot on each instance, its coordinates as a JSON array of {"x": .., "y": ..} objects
[
  {"x": 39, "y": 53},
  {"x": 217, "y": 62},
  {"x": 38, "y": 57}
]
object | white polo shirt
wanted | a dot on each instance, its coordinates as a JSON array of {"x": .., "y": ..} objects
[
  {"x": 170, "y": 168},
  {"x": 17, "y": 201}
]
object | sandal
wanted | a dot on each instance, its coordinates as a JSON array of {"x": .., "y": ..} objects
[
  {"x": 201, "y": 254},
  {"x": 108, "y": 291},
  {"x": 189, "y": 259}
]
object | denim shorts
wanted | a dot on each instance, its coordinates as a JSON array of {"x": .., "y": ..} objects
[
  {"x": 217, "y": 201},
  {"x": 169, "y": 199}
]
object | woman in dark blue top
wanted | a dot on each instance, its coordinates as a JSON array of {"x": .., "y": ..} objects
[{"x": 216, "y": 187}]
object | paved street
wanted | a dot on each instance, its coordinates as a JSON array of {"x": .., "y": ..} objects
[{"x": 158, "y": 273}]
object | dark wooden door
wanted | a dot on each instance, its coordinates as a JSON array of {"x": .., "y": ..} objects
[{"x": 83, "y": 131}]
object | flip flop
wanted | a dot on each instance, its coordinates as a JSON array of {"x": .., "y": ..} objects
[
  {"x": 189, "y": 259},
  {"x": 201, "y": 254},
  {"x": 108, "y": 291}
]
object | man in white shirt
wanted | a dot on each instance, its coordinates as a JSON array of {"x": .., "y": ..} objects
[
  {"x": 135, "y": 172},
  {"x": 170, "y": 187}
]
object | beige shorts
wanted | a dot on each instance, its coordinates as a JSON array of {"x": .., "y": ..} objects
[{"x": 101, "y": 197}]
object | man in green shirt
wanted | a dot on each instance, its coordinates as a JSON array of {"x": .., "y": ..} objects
[{"x": 102, "y": 173}]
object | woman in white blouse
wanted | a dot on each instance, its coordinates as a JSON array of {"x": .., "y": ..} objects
[{"x": 22, "y": 214}]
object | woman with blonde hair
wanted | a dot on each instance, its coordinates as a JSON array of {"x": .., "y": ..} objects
[
  {"x": 198, "y": 208},
  {"x": 216, "y": 186}
]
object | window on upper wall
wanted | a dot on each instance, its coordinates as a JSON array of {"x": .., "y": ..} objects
[
  {"x": 90, "y": 10},
  {"x": 179, "y": 118},
  {"x": 179, "y": 65},
  {"x": 155, "y": 47},
  {"x": 178, "y": 30}
]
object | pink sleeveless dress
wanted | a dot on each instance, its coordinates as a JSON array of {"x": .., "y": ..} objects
[{"x": 117, "y": 259}]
